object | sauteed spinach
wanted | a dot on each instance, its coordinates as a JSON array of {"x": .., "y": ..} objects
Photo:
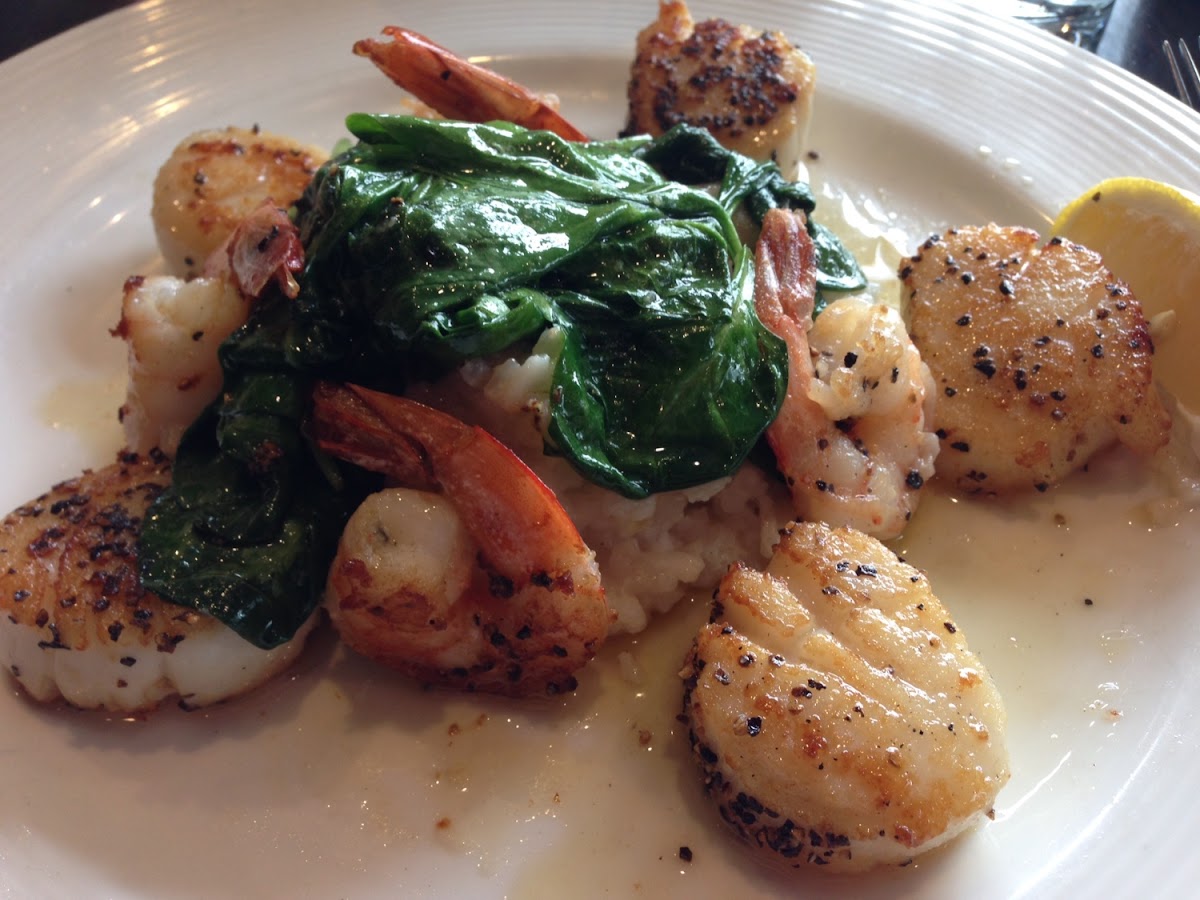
[{"x": 431, "y": 242}]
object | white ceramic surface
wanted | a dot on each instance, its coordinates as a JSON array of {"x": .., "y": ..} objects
[{"x": 340, "y": 780}]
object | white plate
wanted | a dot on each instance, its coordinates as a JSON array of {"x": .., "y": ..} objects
[{"x": 341, "y": 780}]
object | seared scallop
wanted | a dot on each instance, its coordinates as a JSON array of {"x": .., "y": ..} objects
[
  {"x": 1041, "y": 357},
  {"x": 76, "y": 623},
  {"x": 214, "y": 179},
  {"x": 836, "y": 712},
  {"x": 750, "y": 89}
]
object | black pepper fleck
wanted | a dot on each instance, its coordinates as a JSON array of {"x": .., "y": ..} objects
[{"x": 986, "y": 367}]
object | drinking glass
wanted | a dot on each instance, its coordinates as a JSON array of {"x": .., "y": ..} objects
[{"x": 1079, "y": 21}]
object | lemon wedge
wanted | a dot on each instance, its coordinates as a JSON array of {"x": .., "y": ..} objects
[{"x": 1149, "y": 236}]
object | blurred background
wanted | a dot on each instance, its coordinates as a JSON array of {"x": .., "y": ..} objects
[{"x": 1133, "y": 39}]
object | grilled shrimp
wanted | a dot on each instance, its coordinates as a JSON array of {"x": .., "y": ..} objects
[
  {"x": 1041, "y": 357},
  {"x": 214, "y": 179},
  {"x": 458, "y": 89},
  {"x": 835, "y": 710},
  {"x": 472, "y": 575},
  {"x": 850, "y": 438},
  {"x": 78, "y": 625},
  {"x": 751, "y": 90},
  {"x": 175, "y": 327}
]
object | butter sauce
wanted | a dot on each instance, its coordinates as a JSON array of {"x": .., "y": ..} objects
[{"x": 1069, "y": 597}]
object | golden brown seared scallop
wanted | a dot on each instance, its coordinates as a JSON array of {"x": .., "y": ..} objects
[
  {"x": 1041, "y": 357},
  {"x": 836, "y": 712},
  {"x": 751, "y": 89},
  {"x": 75, "y": 622},
  {"x": 214, "y": 179}
]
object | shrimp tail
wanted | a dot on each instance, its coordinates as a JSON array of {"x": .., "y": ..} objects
[
  {"x": 457, "y": 88},
  {"x": 345, "y": 426},
  {"x": 785, "y": 277},
  {"x": 785, "y": 283},
  {"x": 513, "y": 515},
  {"x": 265, "y": 247}
]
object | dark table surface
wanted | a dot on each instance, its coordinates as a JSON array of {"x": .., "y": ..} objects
[{"x": 1133, "y": 39}]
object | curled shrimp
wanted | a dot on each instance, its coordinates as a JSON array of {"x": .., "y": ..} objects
[
  {"x": 850, "y": 437},
  {"x": 459, "y": 89},
  {"x": 472, "y": 575},
  {"x": 174, "y": 327}
]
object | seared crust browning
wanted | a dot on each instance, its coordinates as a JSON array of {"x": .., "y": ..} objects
[
  {"x": 1041, "y": 357},
  {"x": 515, "y": 639},
  {"x": 75, "y": 621},
  {"x": 70, "y": 562},
  {"x": 835, "y": 710},
  {"x": 214, "y": 179},
  {"x": 752, "y": 90}
]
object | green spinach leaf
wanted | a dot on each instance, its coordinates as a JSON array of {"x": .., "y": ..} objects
[{"x": 430, "y": 243}]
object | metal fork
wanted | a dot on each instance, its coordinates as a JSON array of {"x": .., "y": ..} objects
[{"x": 1185, "y": 61}]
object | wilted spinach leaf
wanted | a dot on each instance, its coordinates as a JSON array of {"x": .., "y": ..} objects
[{"x": 429, "y": 243}]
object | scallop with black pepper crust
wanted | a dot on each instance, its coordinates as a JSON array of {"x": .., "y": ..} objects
[
  {"x": 75, "y": 622},
  {"x": 835, "y": 710},
  {"x": 1041, "y": 357},
  {"x": 752, "y": 90}
]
